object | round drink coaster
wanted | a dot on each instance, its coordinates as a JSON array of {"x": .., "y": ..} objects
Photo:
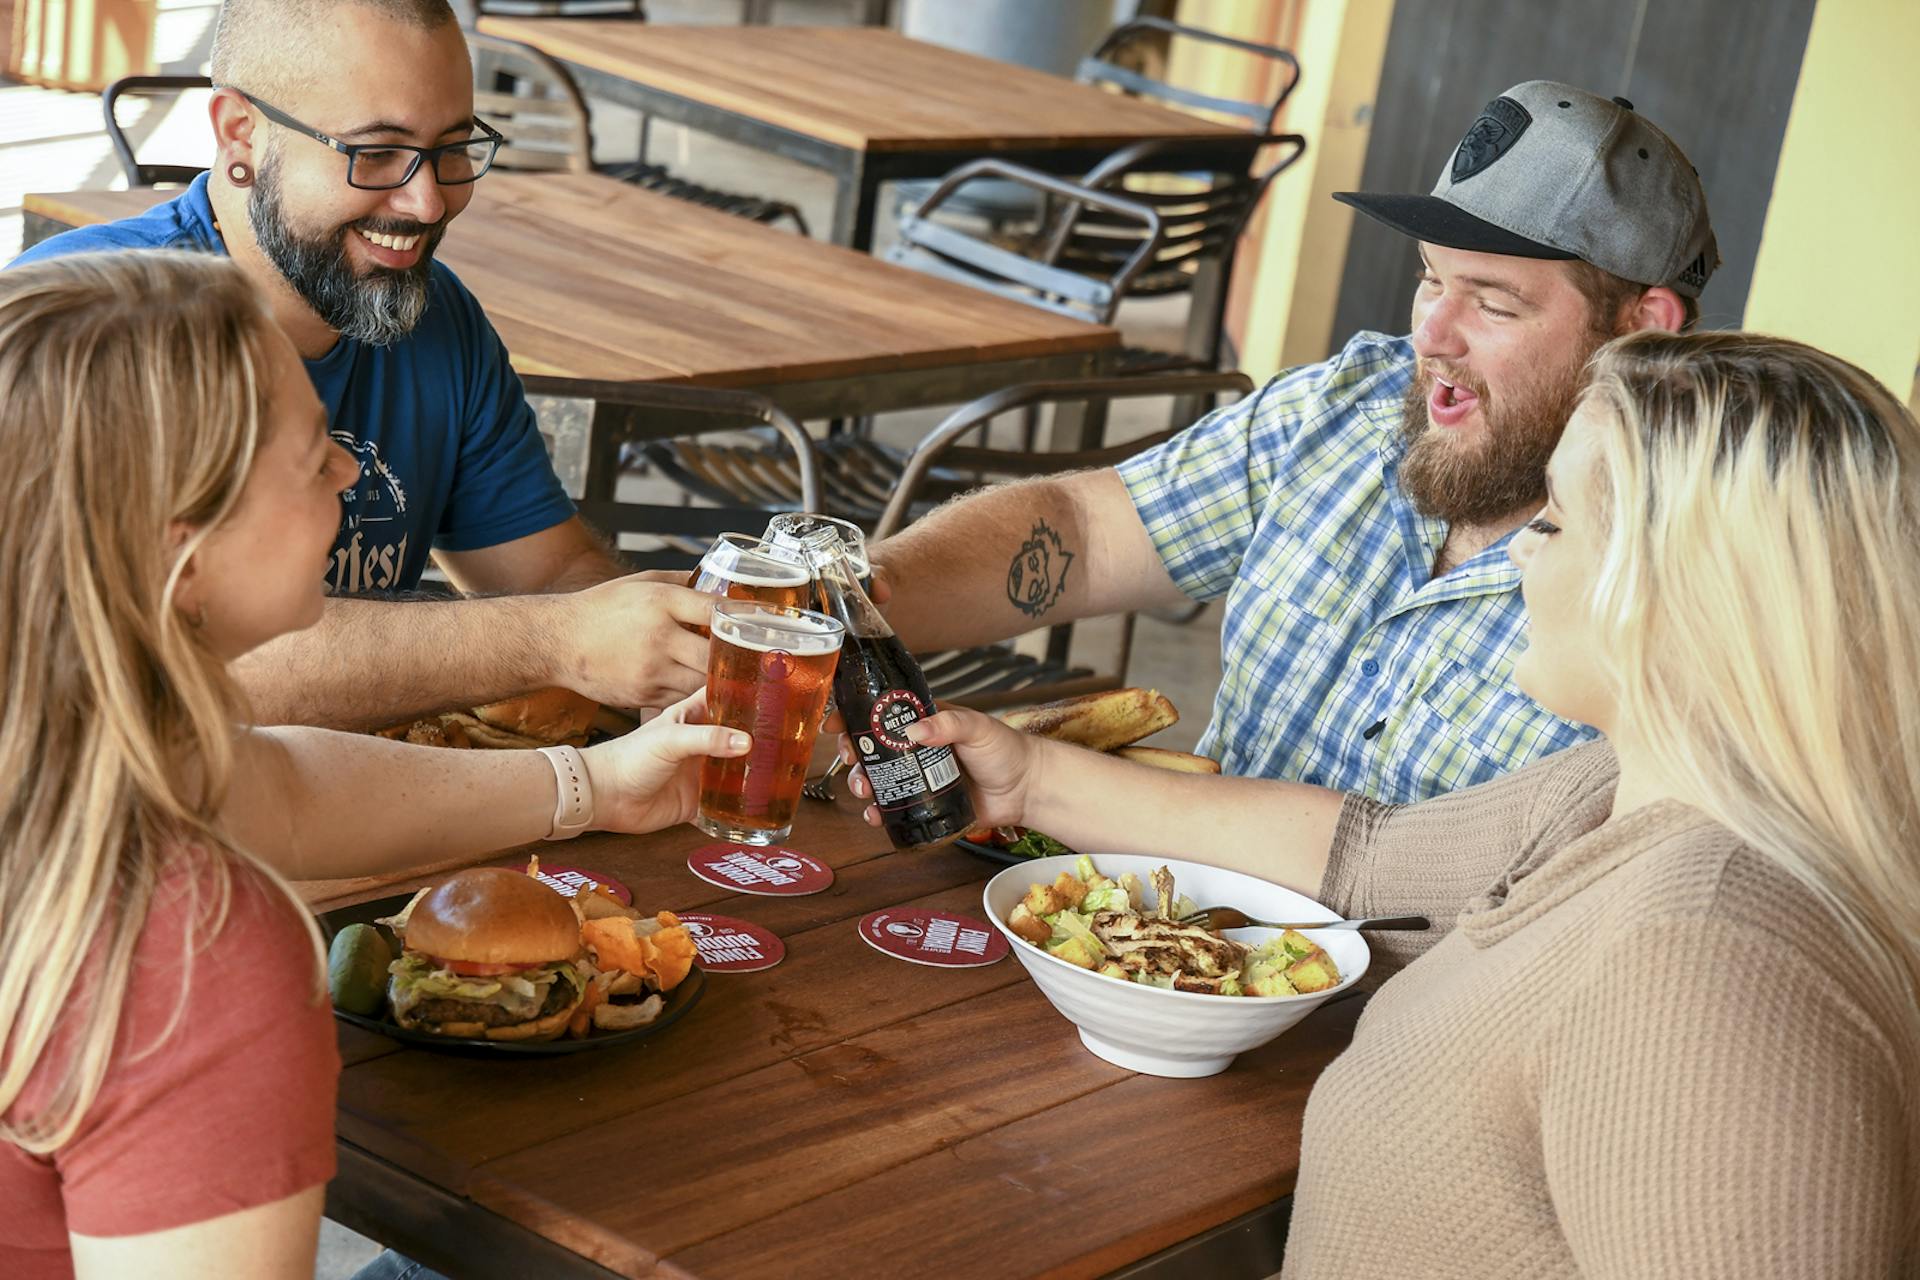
[
  {"x": 769, "y": 871},
  {"x": 938, "y": 938},
  {"x": 727, "y": 945}
]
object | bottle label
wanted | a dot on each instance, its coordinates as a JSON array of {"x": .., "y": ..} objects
[{"x": 899, "y": 772}]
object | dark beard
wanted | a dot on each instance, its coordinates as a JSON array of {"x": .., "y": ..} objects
[
  {"x": 379, "y": 308},
  {"x": 1507, "y": 472}
]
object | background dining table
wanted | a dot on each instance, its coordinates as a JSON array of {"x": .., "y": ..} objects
[
  {"x": 590, "y": 280},
  {"x": 841, "y": 1113},
  {"x": 865, "y": 104}
]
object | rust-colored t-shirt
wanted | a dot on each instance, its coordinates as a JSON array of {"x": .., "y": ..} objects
[{"x": 229, "y": 1108}]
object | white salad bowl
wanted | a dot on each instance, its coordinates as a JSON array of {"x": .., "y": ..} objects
[{"x": 1173, "y": 1033}]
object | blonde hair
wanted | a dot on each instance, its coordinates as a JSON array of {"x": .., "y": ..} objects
[
  {"x": 132, "y": 392},
  {"x": 1759, "y": 601}
]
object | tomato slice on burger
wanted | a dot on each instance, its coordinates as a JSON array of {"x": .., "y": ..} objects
[{"x": 473, "y": 968}]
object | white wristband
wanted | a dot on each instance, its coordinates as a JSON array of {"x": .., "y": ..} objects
[{"x": 573, "y": 811}]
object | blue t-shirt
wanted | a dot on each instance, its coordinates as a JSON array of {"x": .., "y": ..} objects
[{"x": 449, "y": 453}]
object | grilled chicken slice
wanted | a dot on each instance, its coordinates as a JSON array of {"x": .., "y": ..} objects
[
  {"x": 1163, "y": 889},
  {"x": 1153, "y": 945}
]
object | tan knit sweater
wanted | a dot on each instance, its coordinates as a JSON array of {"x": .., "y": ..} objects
[{"x": 1637, "y": 1054}]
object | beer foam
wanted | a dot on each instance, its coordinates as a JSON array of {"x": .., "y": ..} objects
[
  {"x": 802, "y": 636},
  {"x": 773, "y": 573}
]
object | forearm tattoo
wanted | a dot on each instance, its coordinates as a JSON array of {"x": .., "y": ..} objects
[{"x": 1037, "y": 578}]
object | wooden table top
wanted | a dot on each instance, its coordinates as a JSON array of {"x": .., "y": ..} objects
[
  {"x": 863, "y": 88},
  {"x": 843, "y": 1111},
  {"x": 585, "y": 277}
]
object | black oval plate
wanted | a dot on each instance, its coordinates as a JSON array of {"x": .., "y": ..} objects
[{"x": 677, "y": 1002}]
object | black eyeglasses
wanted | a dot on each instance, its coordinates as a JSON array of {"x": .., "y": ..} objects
[{"x": 382, "y": 166}]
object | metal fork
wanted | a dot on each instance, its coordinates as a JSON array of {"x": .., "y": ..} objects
[
  {"x": 821, "y": 788},
  {"x": 1234, "y": 918}
]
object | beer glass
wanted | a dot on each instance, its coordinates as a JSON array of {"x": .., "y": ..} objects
[
  {"x": 790, "y": 531},
  {"x": 740, "y": 566},
  {"x": 768, "y": 672}
]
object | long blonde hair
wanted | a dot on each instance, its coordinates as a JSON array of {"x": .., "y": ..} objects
[
  {"x": 1759, "y": 601},
  {"x": 132, "y": 392}
]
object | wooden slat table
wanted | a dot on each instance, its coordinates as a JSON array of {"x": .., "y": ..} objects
[
  {"x": 843, "y": 1113},
  {"x": 587, "y": 279},
  {"x": 865, "y": 104}
]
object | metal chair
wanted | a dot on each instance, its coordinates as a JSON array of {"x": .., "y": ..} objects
[
  {"x": 1203, "y": 211},
  {"x": 987, "y": 676},
  {"x": 533, "y": 100},
  {"x": 588, "y": 460},
  {"x": 1105, "y": 66},
  {"x": 859, "y": 474},
  {"x": 140, "y": 174},
  {"x": 1089, "y": 290}
]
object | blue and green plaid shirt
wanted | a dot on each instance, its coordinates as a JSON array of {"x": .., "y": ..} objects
[{"x": 1344, "y": 661}]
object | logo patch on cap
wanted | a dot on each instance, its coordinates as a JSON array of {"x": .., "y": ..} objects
[
  {"x": 1497, "y": 129},
  {"x": 1695, "y": 274}
]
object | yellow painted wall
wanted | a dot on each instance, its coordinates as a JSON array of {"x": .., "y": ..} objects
[
  {"x": 1288, "y": 277},
  {"x": 1839, "y": 261}
]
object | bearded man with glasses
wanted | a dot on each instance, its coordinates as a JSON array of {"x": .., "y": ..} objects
[{"x": 345, "y": 144}]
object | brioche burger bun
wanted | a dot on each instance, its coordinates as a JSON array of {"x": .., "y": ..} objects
[
  {"x": 489, "y": 954},
  {"x": 543, "y": 718}
]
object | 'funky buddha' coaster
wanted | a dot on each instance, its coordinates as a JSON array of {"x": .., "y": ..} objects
[
  {"x": 727, "y": 945},
  {"x": 572, "y": 881},
  {"x": 938, "y": 938},
  {"x": 770, "y": 871}
]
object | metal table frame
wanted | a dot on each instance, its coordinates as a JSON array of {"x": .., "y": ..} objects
[{"x": 857, "y": 173}]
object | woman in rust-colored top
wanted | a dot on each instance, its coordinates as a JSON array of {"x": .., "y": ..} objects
[
  {"x": 167, "y": 1062},
  {"x": 1669, "y": 1021}
]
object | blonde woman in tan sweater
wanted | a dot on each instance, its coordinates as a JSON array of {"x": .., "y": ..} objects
[{"x": 1668, "y": 1025}]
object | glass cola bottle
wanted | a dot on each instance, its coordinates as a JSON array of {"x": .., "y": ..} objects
[{"x": 880, "y": 690}]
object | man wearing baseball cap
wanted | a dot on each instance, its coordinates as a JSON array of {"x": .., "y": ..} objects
[{"x": 1355, "y": 514}]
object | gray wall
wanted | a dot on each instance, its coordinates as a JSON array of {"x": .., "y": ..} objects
[{"x": 1717, "y": 75}]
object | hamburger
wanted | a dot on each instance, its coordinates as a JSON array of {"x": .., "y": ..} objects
[
  {"x": 543, "y": 718},
  {"x": 491, "y": 954}
]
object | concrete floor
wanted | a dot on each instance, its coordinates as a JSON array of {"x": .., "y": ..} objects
[{"x": 53, "y": 141}]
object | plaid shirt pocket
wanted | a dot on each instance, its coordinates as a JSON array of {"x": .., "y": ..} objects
[{"x": 1481, "y": 722}]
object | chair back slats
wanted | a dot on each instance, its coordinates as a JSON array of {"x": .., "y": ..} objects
[
  {"x": 1104, "y": 66},
  {"x": 1202, "y": 214},
  {"x": 956, "y": 270},
  {"x": 531, "y": 100},
  {"x": 963, "y": 250},
  {"x": 928, "y": 244},
  {"x": 1092, "y": 71}
]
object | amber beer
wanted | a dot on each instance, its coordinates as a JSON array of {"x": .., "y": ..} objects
[
  {"x": 741, "y": 567},
  {"x": 768, "y": 672}
]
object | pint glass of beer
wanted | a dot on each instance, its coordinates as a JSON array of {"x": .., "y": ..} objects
[
  {"x": 742, "y": 567},
  {"x": 768, "y": 673}
]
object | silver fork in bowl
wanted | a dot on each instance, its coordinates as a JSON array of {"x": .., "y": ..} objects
[
  {"x": 1234, "y": 918},
  {"x": 821, "y": 788}
]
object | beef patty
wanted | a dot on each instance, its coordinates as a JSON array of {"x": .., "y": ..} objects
[{"x": 559, "y": 996}]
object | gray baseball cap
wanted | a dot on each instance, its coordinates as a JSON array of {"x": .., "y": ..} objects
[{"x": 1551, "y": 171}]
